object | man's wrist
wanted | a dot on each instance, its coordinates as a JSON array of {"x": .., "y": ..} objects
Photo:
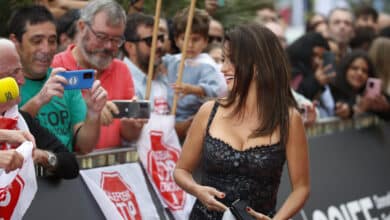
[
  {"x": 37, "y": 101},
  {"x": 93, "y": 116}
]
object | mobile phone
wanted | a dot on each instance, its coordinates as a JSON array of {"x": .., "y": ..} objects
[
  {"x": 373, "y": 87},
  {"x": 329, "y": 58},
  {"x": 132, "y": 109},
  {"x": 238, "y": 209},
  {"x": 78, "y": 79}
]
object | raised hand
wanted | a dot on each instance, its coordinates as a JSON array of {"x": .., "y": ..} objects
[
  {"x": 106, "y": 113},
  {"x": 53, "y": 87},
  {"x": 96, "y": 98},
  {"x": 321, "y": 74},
  {"x": 342, "y": 110}
]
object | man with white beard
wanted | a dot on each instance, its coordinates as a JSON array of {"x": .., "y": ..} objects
[{"x": 100, "y": 35}]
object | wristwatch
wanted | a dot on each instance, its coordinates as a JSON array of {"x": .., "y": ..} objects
[{"x": 52, "y": 159}]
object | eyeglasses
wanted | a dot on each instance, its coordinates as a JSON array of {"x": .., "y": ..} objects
[
  {"x": 148, "y": 40},
  {"x": 215, "y": 39},
  {"x": 103, "y": 38}
]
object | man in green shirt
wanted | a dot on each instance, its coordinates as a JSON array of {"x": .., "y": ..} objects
[{"x": 74, "y": 120}]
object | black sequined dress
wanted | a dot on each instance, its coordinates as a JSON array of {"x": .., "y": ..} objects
[{"x": 252, "y": 174}]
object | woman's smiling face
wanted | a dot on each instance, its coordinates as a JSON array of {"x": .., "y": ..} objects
[
  {"x": 357, "y": 73},
  {"x": 228, "y": 68}
]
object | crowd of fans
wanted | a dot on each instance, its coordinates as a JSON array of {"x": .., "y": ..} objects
[{"x": 336, "y": 69}]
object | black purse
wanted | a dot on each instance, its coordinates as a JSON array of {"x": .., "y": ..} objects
[{"x": 238, "y": 209}]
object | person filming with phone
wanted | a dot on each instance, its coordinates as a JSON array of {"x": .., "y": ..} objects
[
  {"x": 100, "y": 35},
  {"x": 74, "y": 120},
  {"x": 17, "y": 126},
  {"x": 242, "y": 142},
  {"x": 64, "y": 112},
  {"x": 354, "y": 81}
]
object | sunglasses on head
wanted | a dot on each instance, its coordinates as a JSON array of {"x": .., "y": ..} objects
[{"x": 148, "y": 40}]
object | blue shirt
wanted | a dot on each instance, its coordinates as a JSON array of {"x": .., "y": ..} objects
[{"x": 200, "y": 71}]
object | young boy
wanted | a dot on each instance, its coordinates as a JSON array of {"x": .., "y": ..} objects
[{"x": 201, "y": 76}]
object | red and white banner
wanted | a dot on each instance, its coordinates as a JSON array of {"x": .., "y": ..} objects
[
  {"x": 159, "y": 150},
  {"x": 18, "y": 188},
  {"x": 121, "y": 192}
]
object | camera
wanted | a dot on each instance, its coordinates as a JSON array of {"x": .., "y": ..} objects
[
  {"x": 132, "y": 109},
  {"x": 78, "y": 79},
  {"x": 373, "y": 87}
]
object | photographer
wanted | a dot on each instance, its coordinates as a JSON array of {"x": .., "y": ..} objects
[
  {"x": 100, "y": 35},
  {"x": 75, "y": 122},
  {"x": 48, "y": 151}
]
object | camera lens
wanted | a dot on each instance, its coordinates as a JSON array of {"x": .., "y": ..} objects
[
  {"x": 87, "y": 76},
  {"x": 371, "y": 85}
]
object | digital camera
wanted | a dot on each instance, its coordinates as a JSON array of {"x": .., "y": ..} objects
[
  {"x": 132, "y": 109},
  {"x": 78, "y": 79}
]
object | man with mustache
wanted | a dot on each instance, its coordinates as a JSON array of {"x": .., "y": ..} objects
[
  {"x": 100, "y": 35},
  {"x": 137, "y": 48},
  {"x": 18, "y": 127},
  {"x": 74, "y": 120}
]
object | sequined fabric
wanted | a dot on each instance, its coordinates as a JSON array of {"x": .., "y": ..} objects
[{"x": 252, "y": 175}]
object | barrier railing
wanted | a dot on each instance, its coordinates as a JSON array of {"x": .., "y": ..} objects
[
  {"x": 121, "y": 155},
  {"x": 334, "y": 124}
]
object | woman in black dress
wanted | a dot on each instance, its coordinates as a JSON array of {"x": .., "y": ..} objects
[{"x": 242, "y": 142}]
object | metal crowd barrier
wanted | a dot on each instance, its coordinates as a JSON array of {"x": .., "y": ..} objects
[
  {"x": 121, "y": 155},
  {"x": 334, "y": 124}
]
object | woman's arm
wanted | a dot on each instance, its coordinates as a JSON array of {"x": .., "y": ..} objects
[
  {"x": 298, "y": 166},
  {"x": 190, "y": 157}
]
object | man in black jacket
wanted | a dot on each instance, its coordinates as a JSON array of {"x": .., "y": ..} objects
[{"x": 48, "y": 152}]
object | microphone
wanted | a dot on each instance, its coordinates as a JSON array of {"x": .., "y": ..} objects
[{"x": 9, "y": 89}]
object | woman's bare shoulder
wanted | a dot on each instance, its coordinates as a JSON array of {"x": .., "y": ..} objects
[{"x": 206, "y": 108}]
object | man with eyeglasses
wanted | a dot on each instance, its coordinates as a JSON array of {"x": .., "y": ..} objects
[
  {"x": 138, "y": 35},
  {"x": 216, "y": 31},
  {"x": 72, "y": 119},
  {"x": 100, "y": 35}
]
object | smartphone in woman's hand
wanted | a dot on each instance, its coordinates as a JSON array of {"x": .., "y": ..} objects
[{"x": 373, "y": 87}]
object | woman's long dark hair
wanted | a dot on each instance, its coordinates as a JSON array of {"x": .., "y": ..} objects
[
  {"x": 257, "y": 55},
  {"x": 300, "y": 52}
]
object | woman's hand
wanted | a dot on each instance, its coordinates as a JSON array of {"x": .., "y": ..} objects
[
  {"x": 257, "y": 215},
  {"x": 322, "y": 76},
  {"x": 206, "y": 196},
  {"x": 342, "y": 110}
]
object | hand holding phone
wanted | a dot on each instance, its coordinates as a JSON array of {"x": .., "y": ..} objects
[
  {"x": 78, "y": 79},
  {"x": 238, "y": 209},
  {"x": 373, "y": 87},
  {"x": 132, "y": 108}
]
